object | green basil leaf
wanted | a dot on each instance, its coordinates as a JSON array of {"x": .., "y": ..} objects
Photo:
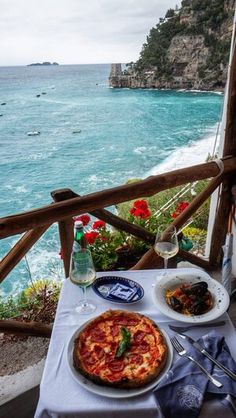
[{"x": 124, "y": 343}]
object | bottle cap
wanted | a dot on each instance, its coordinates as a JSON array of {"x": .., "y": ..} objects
[{"x": 78, "y": 224}]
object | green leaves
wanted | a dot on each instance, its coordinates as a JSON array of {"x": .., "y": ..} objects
[{"x": 124, "y": 343}]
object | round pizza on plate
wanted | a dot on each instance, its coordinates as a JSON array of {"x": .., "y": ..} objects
[{"x": 120, "y": 349}]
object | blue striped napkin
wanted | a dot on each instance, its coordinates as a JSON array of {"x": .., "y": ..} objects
[{"x": 184, "y": 388}]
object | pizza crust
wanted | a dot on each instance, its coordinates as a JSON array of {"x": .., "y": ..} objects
[{"x": 95, "y": 347}]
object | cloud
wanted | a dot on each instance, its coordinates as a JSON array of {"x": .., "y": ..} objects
[{"x": 76, "y": 31}]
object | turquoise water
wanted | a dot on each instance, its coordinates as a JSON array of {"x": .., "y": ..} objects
[{"x": 124, "y": 134}]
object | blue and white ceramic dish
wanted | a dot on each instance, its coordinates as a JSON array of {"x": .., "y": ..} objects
[{"x": 118, "y": 289}]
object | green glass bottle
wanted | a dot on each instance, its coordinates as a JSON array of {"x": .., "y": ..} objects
[{"x": 82, "y": 270}]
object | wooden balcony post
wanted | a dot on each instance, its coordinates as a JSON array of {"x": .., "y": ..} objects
[
  {"x": 65, "y": 229},
  {"x": 225, "y": 197},
  {"x": 37, "y": 329},
  {"x": 19, "y": 250}
]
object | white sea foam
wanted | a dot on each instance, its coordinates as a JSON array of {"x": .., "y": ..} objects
[
  {"x": 205, "y": 91},
  {"x": 93, "y": 179},
  {"x": 194, "y": 153},
  {"x": 139, "y": 150},
  {"x": 38, "y": 156},
  {"x": 21, "y": 189}
]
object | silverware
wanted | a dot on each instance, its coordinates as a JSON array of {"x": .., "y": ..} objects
[
  {"x": 203, "y": 351},
  {"x": 182, "y": 352},
  {"x": 187, "y": 327}
]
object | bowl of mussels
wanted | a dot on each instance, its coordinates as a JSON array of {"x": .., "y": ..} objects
[{"x": 190, "y": 295}]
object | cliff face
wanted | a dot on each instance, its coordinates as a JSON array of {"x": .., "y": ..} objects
[{"x": 189, "y": 49}]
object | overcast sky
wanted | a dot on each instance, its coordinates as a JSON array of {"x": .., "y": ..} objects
[{"x": 76, "y": 31}]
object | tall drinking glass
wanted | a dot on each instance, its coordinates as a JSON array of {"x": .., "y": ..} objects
[
  {"x": 166, "y": 243},
  {"x": 82, "y": 273}
]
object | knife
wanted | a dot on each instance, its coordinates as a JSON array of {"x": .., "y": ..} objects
[{"x": 203, "y": 351}]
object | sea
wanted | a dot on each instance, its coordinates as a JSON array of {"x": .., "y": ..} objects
[{"x": 91, "y": 137}]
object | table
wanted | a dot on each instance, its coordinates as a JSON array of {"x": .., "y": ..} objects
[{"x": 62, "y": 397}]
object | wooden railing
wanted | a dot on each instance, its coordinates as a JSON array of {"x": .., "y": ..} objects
[{"x": 67, "y": 204}]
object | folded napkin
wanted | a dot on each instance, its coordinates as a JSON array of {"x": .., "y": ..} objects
[{"x": 184, "y": 388}]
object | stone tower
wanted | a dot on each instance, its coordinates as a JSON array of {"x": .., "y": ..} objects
[
  {"x": 115, "y": 75},
  {"x": 116, "y": 70}
]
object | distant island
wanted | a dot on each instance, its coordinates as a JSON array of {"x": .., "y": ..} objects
[{"x": 43, "y": 63}]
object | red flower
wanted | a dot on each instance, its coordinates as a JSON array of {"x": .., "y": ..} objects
[
  {"x": 140, "y": 209},
  {"x": 91, "y": 236},
  {"x": 140, "y": 213},
  {"x": 140, "y": 204},
  {"x": 83, "y": 218},
  {"x": 99, "y": 225},
  {"x": 146, "y": 214},
  {"x": 181, "y": 206},
  {"x": 179, "y": 209}
]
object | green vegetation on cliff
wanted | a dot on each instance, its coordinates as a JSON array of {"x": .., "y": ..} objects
[{"x": 154, "y": 51}]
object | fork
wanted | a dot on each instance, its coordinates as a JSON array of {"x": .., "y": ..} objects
[
  {"x": 186, "y": 328},
  {"x": 183, "y": 353}
]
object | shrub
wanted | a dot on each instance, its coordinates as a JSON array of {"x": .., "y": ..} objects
[{"x": 37, "y": 302}]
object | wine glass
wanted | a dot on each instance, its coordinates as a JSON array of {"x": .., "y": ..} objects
[
  {"x": 166, "y": 243},
  {"x": 82, "y": 273}
]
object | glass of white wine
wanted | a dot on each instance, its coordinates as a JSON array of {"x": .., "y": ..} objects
[
  {"x": 166, "y": 243},
  {"x": 83, "y": 274}
]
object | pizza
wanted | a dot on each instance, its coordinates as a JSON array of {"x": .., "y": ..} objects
[
  {"x": 190, "y": 299},
  {"x": 120, "y": 349}
]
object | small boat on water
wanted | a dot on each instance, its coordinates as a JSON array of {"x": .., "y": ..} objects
[
  {"x": 33, "y": 133},
  {"x": 76, "y": 131}
]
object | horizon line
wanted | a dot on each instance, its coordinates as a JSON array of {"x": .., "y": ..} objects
[{"x": 60, "y": 65}]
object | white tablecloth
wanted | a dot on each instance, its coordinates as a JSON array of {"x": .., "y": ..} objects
[{"x": 62, "y": 397}]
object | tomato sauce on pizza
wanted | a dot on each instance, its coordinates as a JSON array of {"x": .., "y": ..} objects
[{"x": 120, "y": 349}]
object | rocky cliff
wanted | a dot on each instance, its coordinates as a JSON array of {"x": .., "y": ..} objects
[{"x": 188, "y": 49}]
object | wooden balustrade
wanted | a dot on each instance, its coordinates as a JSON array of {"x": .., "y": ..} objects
[
  {"x": 25, "y": 328},
  {"x": 59, "y": 211},
  {"x": 19, "y": 250}
]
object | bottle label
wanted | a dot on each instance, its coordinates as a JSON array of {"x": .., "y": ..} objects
[{"x": 82, "y": 261}]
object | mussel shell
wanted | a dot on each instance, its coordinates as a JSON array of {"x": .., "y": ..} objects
[
  {"x": 176, "y": 304},
  {"x": 197, "y": 289},
  {"x": 199, "y": 307}
]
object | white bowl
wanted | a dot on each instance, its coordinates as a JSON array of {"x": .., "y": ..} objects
[{"x": 174, "y": 279}]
